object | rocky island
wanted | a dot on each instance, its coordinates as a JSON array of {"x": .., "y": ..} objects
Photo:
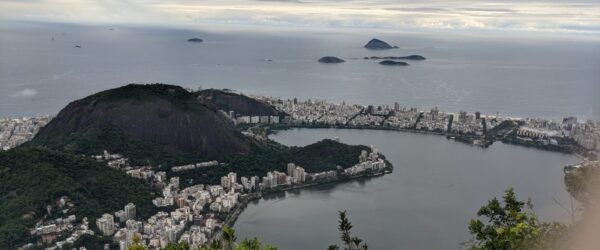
[
  {"x": 393, "y": 63},
  {"x": 411, "y": 57},
  {"x": 376, "y": 44},
  {"x": 195, "y": 40},
  {"x": 330, "y": 59}
]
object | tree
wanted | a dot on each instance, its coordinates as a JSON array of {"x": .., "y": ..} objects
[
  {"x": 350, "y": 243},
  {"x": 251, "y": 244},
  {"x": 137, "y": 244},
  {"x": 228, "y": 238},
  {"x": 227, "y": 242},
  {"x": 512, "y": 224},
  {"x": 178, "y": 246}
]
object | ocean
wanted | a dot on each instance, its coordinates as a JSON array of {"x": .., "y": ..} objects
[{"x": 42, "y": 70}]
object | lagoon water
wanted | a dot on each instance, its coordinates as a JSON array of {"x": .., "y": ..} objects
[
  {"x": 511, "y": 74},
  {"x": 437, "y": 186}
]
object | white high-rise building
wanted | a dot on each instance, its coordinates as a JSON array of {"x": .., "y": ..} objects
[
  {"x": 106, "y": 224},
  {"x": 130, "y": 211},
  {"x": 232, "y": 178},
  {"x": 290, "y": 169},
  {"x": 299, "y": 174},
  {"x": 225, "y": 182}
]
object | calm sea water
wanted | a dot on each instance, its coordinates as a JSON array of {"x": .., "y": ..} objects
[
  {"x": 437, "y": 186},
  {"x": 551, "y": 77}
]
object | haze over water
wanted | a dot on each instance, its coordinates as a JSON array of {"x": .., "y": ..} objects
[
  {"x": 543, "y": 77},
  {"x": 437, "y": 186}
]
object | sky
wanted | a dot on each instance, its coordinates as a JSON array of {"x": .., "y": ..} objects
[{"x": 551, "y": 16}]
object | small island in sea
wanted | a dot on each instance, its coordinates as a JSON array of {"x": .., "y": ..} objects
[
  {"x": 411, "y": 57},
  {"x": 393, "y": 63},
  {"x": 330, "y": 59},
  {"x": 195, "y": 40},
  {"x": 376, "y": 44}
]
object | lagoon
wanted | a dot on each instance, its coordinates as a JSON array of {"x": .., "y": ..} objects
[{"x": 437, "y": 186}]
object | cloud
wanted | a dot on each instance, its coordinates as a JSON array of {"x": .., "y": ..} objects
[
  {"x": 581, "y": 16},
  {"x": 25, "y": 93}
]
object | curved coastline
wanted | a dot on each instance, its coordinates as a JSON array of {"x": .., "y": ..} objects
[{"x": 233, "y": 216}]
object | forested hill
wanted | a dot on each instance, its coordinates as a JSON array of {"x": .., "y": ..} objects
[
  {"x": 32, "y": 178},
  {"x": 241, "y": 104}
]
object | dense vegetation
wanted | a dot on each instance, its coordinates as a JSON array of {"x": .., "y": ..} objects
[
  {"x": 268, "y": 156},
  {"x": 241, "y": 104},
  {"x": 512, "y": 224},
  {"x": 32, "y": 178}
]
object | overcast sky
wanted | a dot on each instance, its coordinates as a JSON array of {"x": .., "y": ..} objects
[{"x": 558, "y": 16}]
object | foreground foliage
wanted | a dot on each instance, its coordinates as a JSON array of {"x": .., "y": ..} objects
[
  {"x": 350, "y": 242},
  {"x": 512, "y": 224}
]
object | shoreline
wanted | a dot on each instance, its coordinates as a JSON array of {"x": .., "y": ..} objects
[
  {"x": 481, "y": 141},
  {"x": 232, "y": 216}
]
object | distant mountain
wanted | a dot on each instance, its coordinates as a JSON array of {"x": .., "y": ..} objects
[
  {"x": 148, "y": 123},
  {"x": 241, "y": 104},
  {"x": 330, "y": 59},
  {"x": 376, "y": 44}
]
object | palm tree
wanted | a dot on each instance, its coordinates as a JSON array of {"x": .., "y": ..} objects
[
  {"x": 344, "y": 228},
  {"x": 356, "y": 241},
  {"x": 350, "y": 243}
]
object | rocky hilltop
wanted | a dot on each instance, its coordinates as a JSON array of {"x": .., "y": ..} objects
[
  {"x": 330, "y": 59},
  {"x": 140, "y": 121},
  {"x": 376, "y": 44},
  {"x": 241, "y": 104}
]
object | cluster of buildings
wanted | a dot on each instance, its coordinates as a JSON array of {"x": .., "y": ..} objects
[
  {"x": 585, "y": 134},
  {"x": 200, "y": 210},
  {"x": 255, "y": 119},
  {"x": 543, "y": 131},
  {"x": 195, "y": 166},
  {"x": 318, "y": 112},
  {"x": 367, "y": 162},
  {"x": 15, "y": 131},
  {"x": 115, "y": 161},
  {"x": 147, "y": 173},
  {"x": 63, "y": 225}
]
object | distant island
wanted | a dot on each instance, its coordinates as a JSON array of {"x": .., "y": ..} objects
[
  {"x": 376, "y": 44},
  {"x": 393, "y": 63},
  {"x": 411, "y": 57},
  {"x": 330, "y": 59},
  {"x": 195, "y": 40}
]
